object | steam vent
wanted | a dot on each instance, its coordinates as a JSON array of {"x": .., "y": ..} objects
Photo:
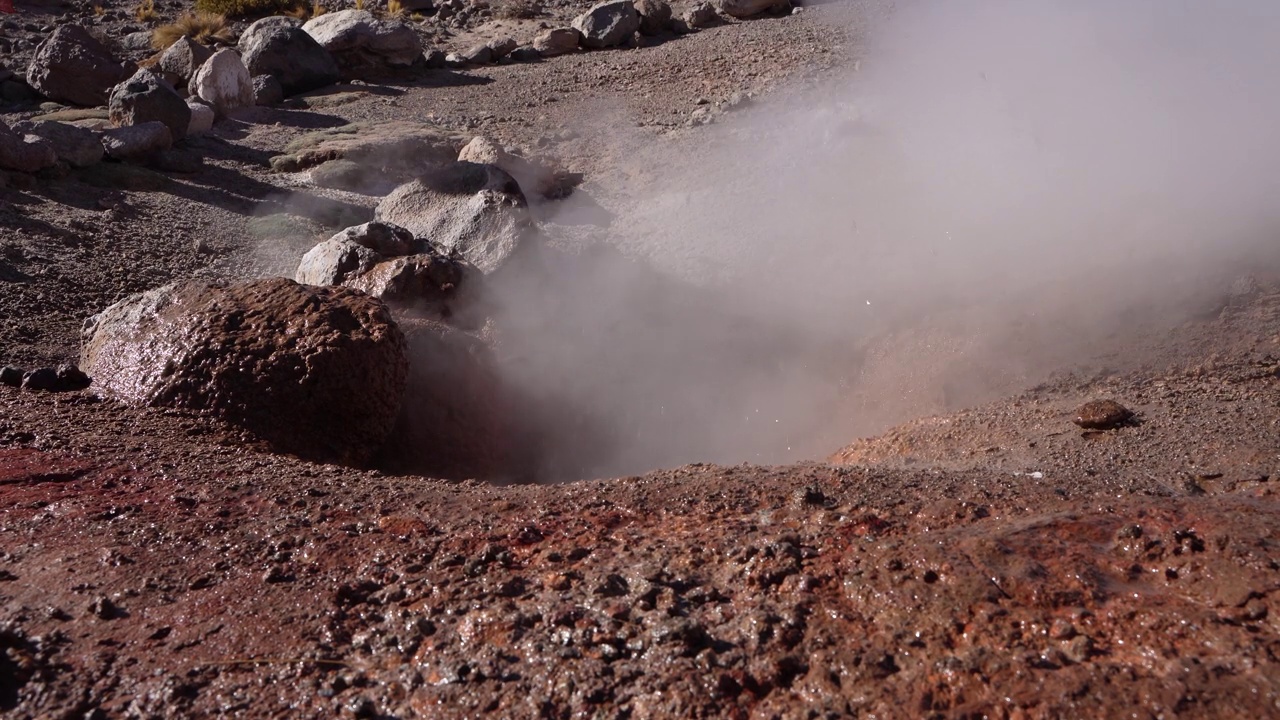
[{"x": 745, "y": 359}]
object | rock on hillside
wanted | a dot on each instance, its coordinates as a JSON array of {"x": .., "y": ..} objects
[
  {"x": 72, "y": 66},
  {"x": 477, "y": 211},
  {"x": 279, "y": 46},
  {"x": 362, "y": 44},
  {"x": 319, "y": 372}
]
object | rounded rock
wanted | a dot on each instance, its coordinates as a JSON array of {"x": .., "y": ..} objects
[{"x": 317, "y": 372}]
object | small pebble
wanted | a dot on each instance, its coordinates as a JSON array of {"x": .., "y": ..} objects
[{"x": 1102, "y": 415}]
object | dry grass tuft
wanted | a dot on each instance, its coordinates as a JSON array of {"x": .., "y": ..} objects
[
  {"x": 146, "y": 11},
  {"x": 246, "y": 8},
  {"x": 395, "y": 8},
  {"x": 204, "y": 27},
  {"x": 302, "y": 12}
]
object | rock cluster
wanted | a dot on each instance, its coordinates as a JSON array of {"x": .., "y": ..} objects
[
  {"x": 387, "y": 262},
  {"x": 64, "y": 378}
]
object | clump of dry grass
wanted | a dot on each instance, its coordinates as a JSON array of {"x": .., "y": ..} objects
[
  {"x": 395, "y": 8},
  {"x": 99, "y": 11},
  {"x": 242, "y": 8},
  {"x": 205, "y": 28},
  {"x": 146, "y": 11},
  {"x": 302, "y": 12}
]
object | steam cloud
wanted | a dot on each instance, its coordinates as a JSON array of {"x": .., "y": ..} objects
[{"x": 1001, "y": 185}]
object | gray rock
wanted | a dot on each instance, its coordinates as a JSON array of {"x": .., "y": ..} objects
[
  {"x": 11, "y": 376},
  {"x": 146, "y": 97},
  {"x": 748, "y": 8},
  {"x": 26, "y": 154},
  {"x": 533, "y": 178},
  {"x": 319, "y": 372},
  {"x": 223, "y": 82},
  {"x": 433, "y": 59},
  {"x": 655, "y": 16},
  {"x": 383, "y": 238},
  {"x": 476, "y": 211},
  {"x": 701, "y": 15},
  {"x": 202, "y": 117},
  {"x": 525, "y": 54},
  {"x": 278, "y": 46},
  {"x": 71, "y": 66},
  {"x": 502, "y": 47},
  {"x": 73, "y": 145},
  {"x": 608, "y": 24},
  {"x": 267, "y": 91},
  {"x": 334, "y": 261},
  {"x": 139, "y": 143},
  {"x": 183, "y": 58},
  {"x": 557, "y": 41},
  {"x": 475, "y": 55},
  {"x": 17, "y": 93},
  {"x": 363, "y": 44},
  {"x": 386, "y": 261},
  {"x": 427, "y": 280},
  {"x": 139, "y": 41}
]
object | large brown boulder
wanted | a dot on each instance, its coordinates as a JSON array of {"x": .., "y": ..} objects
[
  {"x": 71, "y": 66},
  {"x": 318, "y": 372}
]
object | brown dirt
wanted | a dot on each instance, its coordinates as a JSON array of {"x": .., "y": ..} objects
[{"x": 996, "y": 562}]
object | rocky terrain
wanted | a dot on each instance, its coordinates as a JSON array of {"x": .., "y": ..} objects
[{"x": 303, "y": 414}]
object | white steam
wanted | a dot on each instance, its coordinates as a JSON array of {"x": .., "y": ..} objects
[{"x": 1002, "y": 183}]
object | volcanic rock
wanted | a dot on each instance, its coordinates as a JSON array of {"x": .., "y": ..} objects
[
  {"x": 700, "y": 15},
  {"x": 748, "y": 8},
  {"x": 267, "y": 91},
  {"x": 137, "y": 142},
  {"x": 73, "y": 145},
  {"x": 224, "y": 82},
  {"x": 1102, "y": 415},
  {"x": 71, "y": 66},
  {"x": 278, "y": 46},
  {"x": 655, "y": 16},
  {"x": 608, "y": 24},
  {"x": 501, "y": 47},
  {"x": 27, "y": 154},
  {"x": 146, "y": 97},
  {"x": 476, "y": 211},
  {"x": 534, "y": 178},
  {"x": 557, "y": 41},
  {"x": 202, "y": 117},
  {"x": 183, "y": 58},
  {"x": 387, "y": 262},
  {"x": 319, "y": 372},
  {"x": 335, "y": 260},
  {"x": 362, "y": 44}
]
